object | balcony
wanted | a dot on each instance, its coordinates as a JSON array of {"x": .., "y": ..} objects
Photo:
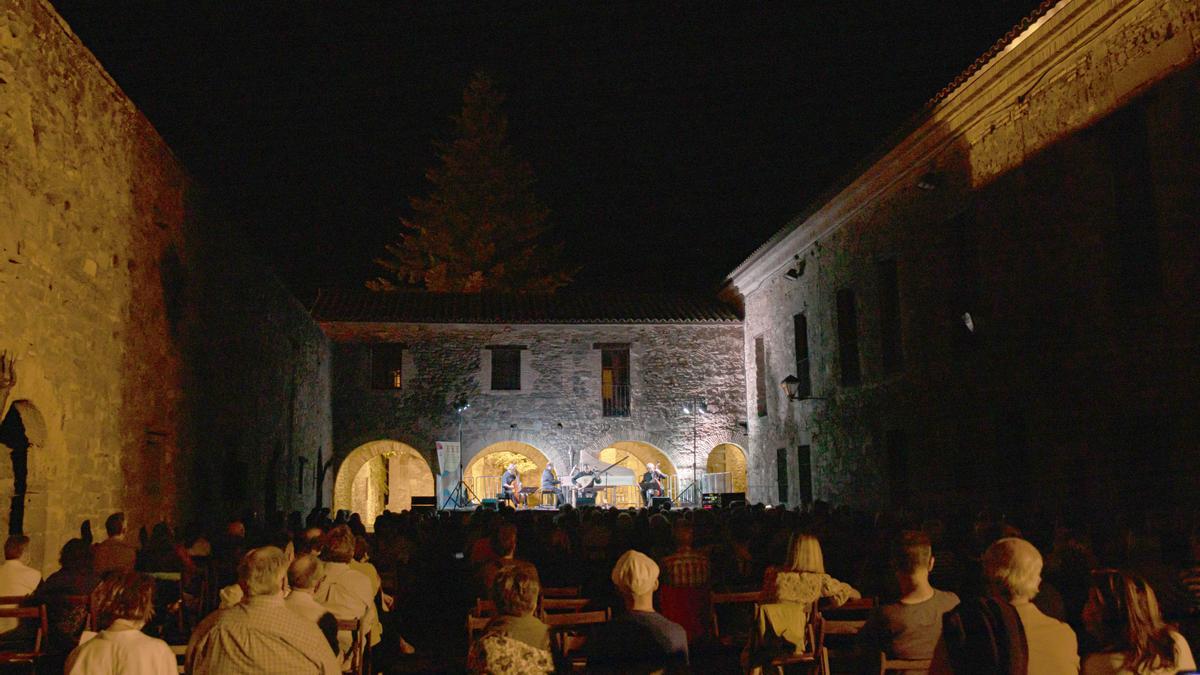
[{"x": 615, "y": 400}]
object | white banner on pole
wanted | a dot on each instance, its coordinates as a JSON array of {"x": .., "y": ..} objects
[{"x": 448, "y": 454}]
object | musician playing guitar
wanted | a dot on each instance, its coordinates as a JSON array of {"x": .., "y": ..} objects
[
  {"x": 651, "y": 483},
  {"x": 510, "y": 484}
]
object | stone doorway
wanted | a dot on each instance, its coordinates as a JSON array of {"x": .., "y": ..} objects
[
  {"x": 382, "y": 476},
  {"x": 22, "y": 431},
  {"x": 484, "y": 470},
  {"x": 635, "y": 455},
  {"x": 730, "y": 459}
]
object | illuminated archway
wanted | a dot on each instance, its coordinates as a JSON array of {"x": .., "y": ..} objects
[
  {"x": 484, "y": 470},
  {"x": 381, "y": 475},
  {"x": 730, "y": 459},
  {"x": 635, "y": 455}
]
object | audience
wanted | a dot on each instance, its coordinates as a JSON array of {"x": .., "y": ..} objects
[
  {"x": 515, "y": 641},
  {"x": 260, "y": 634},
  {"x": 75, "y": 577},
  {"x": 123, "y": 602},
  {"x": 640, "y": 639},
  {"x": 304, "y": 575},
  {"x": 17, "y": 579},
  {"x": 1122, "y": 615},
  {"x": 909, "y": 628},
  {"x": 686, "y": 579},
  {"x": 114, "y": 553},
  {"x": 344, "y": 591}
]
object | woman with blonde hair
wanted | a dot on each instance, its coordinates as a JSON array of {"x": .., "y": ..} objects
[
  {"x": 1122, "y": 614},
  {"x": 789, "y": 597},
  {"x": 802, "y": 577}
]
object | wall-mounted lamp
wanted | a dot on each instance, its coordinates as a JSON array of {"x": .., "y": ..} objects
[
  {"x": 791, "y": 386},
  {"x": 928, "y": 181},
  {"x": 796, "y": 270}
]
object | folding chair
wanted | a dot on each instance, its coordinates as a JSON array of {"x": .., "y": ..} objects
[
  {"x": 13, "y": 653},
  {"x": 729, "y": 601},
  {"x": 568, "y": 634},
  {"x": 355, "y": 659},
  {"x": 475, "y": 626}
]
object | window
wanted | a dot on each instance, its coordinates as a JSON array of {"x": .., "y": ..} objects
[
  {"x": 1136, "y": 242},
  {"x": 387, "y": 370},
  {"x": 800, "y": 335},
  {"x": 760, "y": 376},
  {"x": 614, "y": 380},
  {"x": 847, "y": 331},
  {"x": 782, "y": 469},
  {"x": 506, "y": 368},
  {"x": 804, "y": 459},
  {"x": 889, "y": 316}
]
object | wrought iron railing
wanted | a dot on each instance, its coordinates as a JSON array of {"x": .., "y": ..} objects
[{"x": 615, "y": 400}]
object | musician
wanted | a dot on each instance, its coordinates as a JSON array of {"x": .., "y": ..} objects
[
  {"x": 651, "y": 483},
  {"x": 580, "y": 479},
  {"x": 551, "y": 483},
  {"x": 510, "y": 484}
]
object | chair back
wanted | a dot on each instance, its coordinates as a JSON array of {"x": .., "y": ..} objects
[
  {"x": 577, "y": 618},
  {"x": 887, "y": 665},
  {"x": 568, "y": 634},
  {"x": 355, "y": 659},
  {"x": 475, "y": 626},
  {"x": 36, "y": 615},
  {"x": 12, "y": 599},
  {"x": 560, "y": 605},
  {"x": 561, "y": 592},
  {"x": 728, "y": 603}
]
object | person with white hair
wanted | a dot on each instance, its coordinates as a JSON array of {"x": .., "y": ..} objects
[
  {"x": 260, "y": 635},
  {"x": 1012, "y": 570},
  {"x": 652, "y": 484},
  {"x": 640, "y": 638}
]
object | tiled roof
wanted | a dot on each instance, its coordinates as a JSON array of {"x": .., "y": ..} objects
[{"x": 332, "y": 306}]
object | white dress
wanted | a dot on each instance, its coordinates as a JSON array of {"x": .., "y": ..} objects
[{"x": 122, "y": 652}]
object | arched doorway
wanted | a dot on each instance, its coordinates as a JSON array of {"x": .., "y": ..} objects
[
  {"x": 381, "y": 476},
  {"x": 636, "y": 455},
  {"x": 727, "y": 468},
  {"x": 22, "y": 431},
  {"x": 484, "y": 470}
]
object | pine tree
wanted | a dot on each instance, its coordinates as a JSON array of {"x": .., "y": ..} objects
[{"x": 480, "y": 229}]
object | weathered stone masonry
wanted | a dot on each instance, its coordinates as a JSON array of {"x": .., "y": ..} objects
[
  {"x": 1027, "y": 197},
  {"x": 147, "y": 341}
]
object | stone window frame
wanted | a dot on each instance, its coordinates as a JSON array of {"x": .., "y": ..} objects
[
  {"x": 401, "y": 357},
  {"x": 527, "y": 375},
  {"x": 599, "y": 348}
]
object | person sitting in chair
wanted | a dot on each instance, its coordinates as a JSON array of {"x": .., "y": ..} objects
[
  {"x": 652, "y": 483},
  {"x": 510, "y": 484},
  {"x": 551, "y": 483}
]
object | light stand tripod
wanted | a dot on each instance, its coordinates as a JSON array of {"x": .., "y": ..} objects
[{"x": 462, "y": 494}]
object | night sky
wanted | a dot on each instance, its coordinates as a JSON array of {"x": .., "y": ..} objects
[{"x": 669, "y": 139}]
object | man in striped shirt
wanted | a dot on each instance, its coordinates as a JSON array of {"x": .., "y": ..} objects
[{"x": 260, "y": 635}]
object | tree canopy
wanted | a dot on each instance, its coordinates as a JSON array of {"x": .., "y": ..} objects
[{"x": 480, "y": 228}]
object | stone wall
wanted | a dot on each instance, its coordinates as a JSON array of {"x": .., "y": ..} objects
[
  {"x": 1074, "y": 252},
  {"x": 559, "y": 409},
  {"x": 108, "y": 273}
]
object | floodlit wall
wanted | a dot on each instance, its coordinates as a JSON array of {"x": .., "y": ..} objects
[
  {"x": 159, "y": 365},
  {"x": 1052, "y": 198}
]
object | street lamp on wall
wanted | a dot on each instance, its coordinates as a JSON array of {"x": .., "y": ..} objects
[{"x": 791, "y": 387}]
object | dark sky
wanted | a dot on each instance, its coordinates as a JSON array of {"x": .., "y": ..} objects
[{"x": 669, "y": 138}]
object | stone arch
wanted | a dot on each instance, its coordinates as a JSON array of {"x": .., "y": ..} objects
[
  {"x": 34, "y": 399},
  {"x": 419, "y": 476},
  {"x": 634, "y": 455},
  {"x": 729, "y": 458},
  {"x": 483, "y": 472}
]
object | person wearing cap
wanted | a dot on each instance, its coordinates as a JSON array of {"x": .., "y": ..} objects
[{"x": 640, "y": 638}]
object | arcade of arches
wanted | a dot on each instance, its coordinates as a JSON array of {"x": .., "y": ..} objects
[
  {"x": 382, "y": 476},
  {"x": 728, "y": 458}
]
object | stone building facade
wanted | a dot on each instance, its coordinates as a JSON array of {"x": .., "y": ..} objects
[
  {"x": 154, "y": 355},
  {"x": 552, "y": 402},
  {"x": 1002, "y": 307}
]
